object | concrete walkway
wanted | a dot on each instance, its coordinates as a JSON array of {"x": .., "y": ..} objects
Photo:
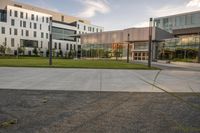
[{"x": 96, "y": 80}]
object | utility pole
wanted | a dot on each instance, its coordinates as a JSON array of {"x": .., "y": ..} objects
[
  {"x": 150, "y": 41},
  {"x": 128, "y": 51},
  {"x": 199, "y": 50},
  {"x": 50, "y": 42}
]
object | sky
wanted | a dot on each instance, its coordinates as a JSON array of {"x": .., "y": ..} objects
[{"x": 118, "y": 14}]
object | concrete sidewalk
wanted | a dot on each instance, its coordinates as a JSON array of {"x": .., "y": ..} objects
[{"x": 96, "y": 80}]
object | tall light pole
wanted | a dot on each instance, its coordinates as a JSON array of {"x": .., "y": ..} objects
[
  {"x": 128, "y": 48},
  {"x": 50, "y": 42},
  {"x": 150, "y": 41},
  {"x": 199, "y": 50}
]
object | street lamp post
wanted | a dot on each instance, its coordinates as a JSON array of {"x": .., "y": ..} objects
[
  {"x": 128, "y": 48},
  {"x": 50, "y": 42},
  {"x": 150, "y": 41}
]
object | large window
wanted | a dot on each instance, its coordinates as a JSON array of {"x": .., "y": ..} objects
[
  {"x": 29, "y": 43},
  {"x": 63, "y": 34},
  {"x": 195, "y": 18},
  {"x": 3, "y": 16}
]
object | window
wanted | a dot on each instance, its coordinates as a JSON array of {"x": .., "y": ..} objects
[
  {"x": 93, "y": 29},
  {"x": 40, "y": 27},
  {"x": 26, "y": 15},
  {"x": 55, "y": 45},
  {"x": 70, "y": 46},
  {"x": 47, "y": 35},
  {"x": 12, "y": 22},
  {"x": 35, "y": 26},
  {"x": 97, "y": 30},
  {"x": 62, "y": 18},
  {"x": 32, "y": 16},
  {"x": 59, "y": 45},
  {"x": 67, "y": 46},
  {"x": 10, "y": 12},
  {"x": 41, "y": 44},
  {"x": 195, "y": 18},
  {"x": 3, "y": 30},
  {"x": 35, "y": 34},
  {"x": 47, "y": 20},
  {"x": 42, "y": 19},
  {"x": 21, "y": 15},
  {"x": 16, "y": 14},
  {"x": 12, "y": 42},
  {"x": 42, "y": 35},
  {"x": 10, "y": 31},
  {"x": 15, "y": 32},
  {"x": 30, "y": 25},
  {"x": 27, "y": 33},
  {"x": 74, "y": 47},
  {"x": 78, "y": 26},
  {"x": 37, "y": 18},
  {"x": 84, "y": 27},
  {"x": 20, "y": 23},
  {"x": 24, "y": 24},
  {"x": 22, "y": 32}
]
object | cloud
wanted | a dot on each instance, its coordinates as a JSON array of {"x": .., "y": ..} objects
[
  {"x": 94, "y": 6},
  {"x": 194, "y": 3},
  {"x": 142, "y": 24}
]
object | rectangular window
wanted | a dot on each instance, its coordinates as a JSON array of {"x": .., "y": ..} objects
[
  {"x": 21, "y": 15},
  {"x": 24, "y": 24},
  {"x": 59, "y": 45},
  {"x": 12, "y": 22},
  {"x": 26, "y": 15},
  {"x": 74, "y": 47},
  {"x": 3, "y": 30},
  {"x": 20, "y": 23},
  {"x": 70, "y": 46},
  {"x": 78, "y": 26},
  {"x": 47, "y": 20},
  {"x": 55, "y": 45},
  {"x": 35, "y": 25},
  {"x": 40, "y": 26},
  {"x": 37, "y": 18},
  {"x": 12, "y": 42},
  {"x": 27, "y": 33},
  {"x": 42, "y": 19},
  {"x": 22, "y": 32},
  {"x": 42, "y": 35},
  {"x": 41, "y": 44},
  {"x": 30, "y": 25},
  {"x": 16, "y": 14},
  {"x": 10, "y": 31},
  {"x": 47, "y": 35},
  {"x": 15, "y": 32},
  {"x": 67, "y": 46},
  {"x": 35, "y": 34},
  {"x": 32, "y": 16},
  {"x": 84, "y": 27},
  {"x": 10, "y": 12},
  {"x": 62, "y": 18}
]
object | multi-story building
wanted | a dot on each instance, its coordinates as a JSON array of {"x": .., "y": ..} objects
[
  {"x": 28, "y": 27},
  {"x": 186, "y": 31}
]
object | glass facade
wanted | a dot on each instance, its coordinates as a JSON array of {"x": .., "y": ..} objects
[
  {"x": 184, "y": 47},
  {"x": 104, "y": 50},
  {"x": 63, "y": 34},
  {"x": 178, "y": 22},
  {"x": 29, "y": 43}
]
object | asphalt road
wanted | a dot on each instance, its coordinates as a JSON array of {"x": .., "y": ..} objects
[{"x": 95, "y": 112}]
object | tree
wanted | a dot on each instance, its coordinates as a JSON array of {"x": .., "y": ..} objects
[
  {"x": 35, "y": 51},
  {"x": 8, "y": 50},
  {"x": 21, "y": 50},
  {"x": 2, "y": 49}
]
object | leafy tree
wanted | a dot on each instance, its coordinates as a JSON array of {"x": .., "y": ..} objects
[
  {"x": 8, "y": 50},
  {"x": 2, "y": 49},
  {"x": 21, "y": 50},
  {"x": 35, "y": 51}
]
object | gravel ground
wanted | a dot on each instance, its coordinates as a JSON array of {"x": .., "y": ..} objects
[{"x": 95, "y": 112}]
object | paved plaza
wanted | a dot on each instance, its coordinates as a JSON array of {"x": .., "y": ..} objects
[{"x": 99, "y": 80}]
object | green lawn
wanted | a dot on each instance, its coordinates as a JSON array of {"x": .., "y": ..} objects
[{"x": 64, "y": 63}]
